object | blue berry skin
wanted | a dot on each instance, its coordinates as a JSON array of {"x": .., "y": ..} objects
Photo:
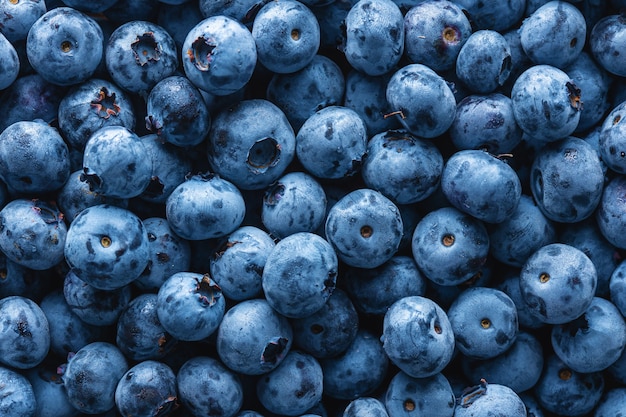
[
  {"x": 417, "y": 336},
  {"x": 609, "y": 214},
  {"x": 251, "y": 159},
  {"x": 91, "y": 376},
  {"x": 562, "y": 194},
  {"x": 25, "y": 333},
  {"x": 296, "y": 202},
  {"x": 116, "y": 163},
  {"x": 300, "y": 94},
  {"x": 124, "y": 11},
  {"x": 332, "y": 143},
  {"x": 33, "y": 166},
  {"x": 207, "y": 388},
  {"x": 331, "y": 17},
  {"x": 431, "y": 396},
  {"x": 19, "y": 280},
  {"x": 139, "y": 54},
  {"x": 169, "y": 254},
  {"x": 253, "y": 338},
  {"x": 365, "y": 228},
  {"x": 564, "y": 391},
  {"x": 617, "y": 370},
  {"x": 496, "y": 400},
  {"x": 358, "y": 371},
  {"x": 498, "y": 16},
  {"x": 329, "y": 331},
  {"x": 612, "y": 403},
  {"x": 611, "y": 144},
  {"x": 485, "y": 122},
  {"x": 190, "y": 306},
  {"x": 374, "y": 36},
  {"x": 484, "y": 322},
  {"x": 205, "y": 206},
  {"x": 525, "y": 231},
  {"x": 107, "y": 246},
  {"x": 287, "y": 36},
  {"x": 481, "y": 185},
  {"x": 300, "y": 274},
  {"x": 606, "y": 40},
  {"x": 244, "y": 11},
  {"x": 179, "y": 19},
  {"x": 558, "y": 283},
  {"x": 17, "y": 398},
  {"x": 65, "y": 46},
  {"x": 49, "y": 392},
  {"x": 93, "y": 306},
  {"x": 140, "y": 334},
  {"x": 16, "y": 18},
  {"x": 484, "y": 61},
  {"x": 97, "y": 6},
  {"x": 435, "y": 31},
  {"x": 593, "y": 341},
  {"x": 403, "y": 167},
  {"x": 449, "y": 246},
  {"x": 32, "y": 233},
  {"x": 91, "y": 105},
  {"x": 617, "y": 287},
  {"x": 293, "y": 387},
  {"x": 177, "y": 113},
  {"x": 219, "y": 55},
  {"x": 365, "y": 407},
  {"x": 146, "y": 389},
  {"x": 546, "y": 103},
  {"x": 424, "y": 102},
  {"x": 373, "y": 291},
  {"x": 238, "y": 262},
  {"x": 9, "y": 64}
]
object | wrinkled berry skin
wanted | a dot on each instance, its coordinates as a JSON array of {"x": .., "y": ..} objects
[
  {"x": 432, "y": 396},
  {"x": 24, "y": 333},
  {"x": 219, "y": 55},
  {"x": 107, "y": 246},
  {"x": 10, "y": 63},
  {"x": 33, "y": 166},
  {"x": 17, "y": 397},
  {"x": 417, "y": 336},
  {"x": 610, "y": 212},
  {"x": 16, "y": 17},
  {"x": 484, "y": 61},
  {"x": 65, "y": 46},
  {"x": 251, "y": 159},
  {"x": 496, "y": 400},
  {"x": 139, "y": 54},
  {"x": 606, "y": 41},
  {"x": 32, "y": 233},
  {"x": 91, "y": 376}
]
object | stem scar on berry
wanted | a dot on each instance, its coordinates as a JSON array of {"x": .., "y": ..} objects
[
  {"x": 209, "y": 291},
  {"x": 367, "y": 231},
  {"x": 105, "y": 104},
  {"x": 146, "y": 48},
  {"x": 471, "y": 394},
  {"x": 574, "y": 95},
  {"x": 409, "y": 405},
  {"x": 544, "y": 277},
  {"x": 448, "y": 240},
  {"x": 201, "y": 53}
]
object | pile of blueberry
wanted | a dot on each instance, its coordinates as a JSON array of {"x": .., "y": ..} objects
[{"x": 313, "y": 208}]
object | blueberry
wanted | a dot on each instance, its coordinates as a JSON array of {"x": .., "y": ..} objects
[
  {"x": 605, "y": 41},
  {"x": 32, "y": 233},
  {"x": 96, "y": 6},
  {"x": 287, "y": 36},
  {"x": 16, "y": 17},
  {"x": 146, "y": 389},
  {"x": 251, "y": 158},
  {"x": 300, "y": 274},
  {"x": 558, "y": 283},
  {"x": 10, "y": 66},
  {"x": 422, "y": 100},
  {"x": 50, "y": 394},
  {"x": 612, "y": 403},
  {"x": 243, "y": 10},
  {"x": 365, "y": 407},
  {"x": 65, "y": 46},
  {"x": 610, "y": 211},
  {"x": 498, "y": 16},
  {"x": 139, "y": 54},
  {"x": 331, "y": 17},
  {"x": 107, "y": 246},
  {"x": 611, "y": 143},
  {"x": 490, "y": 400},
  {"x": 17, "y": 397},
  {"x": 417, "y": 336},
  {"x": 205, "y": 206},
  {"x": 91, "y": 376},
  {"x": 253, "y": 338},
  {"x": 431, "y": 395},
  {"x": 510, "y": 285}
]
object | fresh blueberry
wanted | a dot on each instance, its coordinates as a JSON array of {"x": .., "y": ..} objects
[
  {"x": 558, "y": 283},
  {"x": 251, "y": 158},
  {"x": 146, "y": 389},
  {"x": 422, "y": 100},
  {"x": 16, "y": 17},
  {"x": 9, "y": 63},
  {"x": 449, "y": 246},
  {"x": 253, "y": 338},
  {"x": 365, "y": 407},
  {"x": 300, "y": 274},
  {"x": 91, "y": 376},
  {"x": 107, "y": 246},
  {"x": 609, "y": 215},
  {"x": 490, "y": 400},
  {"x": 205, "y": 206},
  {"x": 612, "y": 403},
  {"x": 17, "y": 397},
  {"x": 219, "y": 55},
  {"x": 510, "y": 285},
  {"x": 179, "y": 19},
  {"x": 243, "y": 10},
  {"x": 417, "y": 336},
  {"x": 139, "y": 54},
  {"x": 435, "y": 31},
  {"x": 331, "y": 17},
  {"x": 50, "y": 394},
  {"x": 20, "y": 280},
  {"x": 431, "y": 396},
  {"x": 605, "y": 41},
  {"x": 611, "y": 144},
  {"x": 617, "y": 370},
  {"x": 65, "y": 46},
  {"x": 498, "y": 16}
]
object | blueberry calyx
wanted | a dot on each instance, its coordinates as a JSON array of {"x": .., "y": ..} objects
[
  {"x": 574, "y": 95},
  {"x": 105, "y": 104},
  {"x": 264, "y": 154},
  {"x": 208, "y": 290},
  {"x": 153, "y": 125},
  {"x": 93, "y": 180},
  {"x": 224, "y": 247},
  {"x": 274, "y": 350},
  {"x": 274, "y": 194},
  {"x": 167, "y": 406},
  {"x": 471, "y": 394},
  {"x": 146, "y": 48},
  {"x": 201, "y": 53}
]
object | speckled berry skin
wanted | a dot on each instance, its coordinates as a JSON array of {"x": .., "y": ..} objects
[
  {"x": 65, "y": 46},
  {"x": 49, "y": 393},
  {"x": 16, "y": 17},
  {"x": 611, "y": 143},
  {"x": 251, "y": 158},
  {"x": 484, "y": 61},
  {"x": 417, "y": 336},
  {"x": 498, "y": 16},
  {"x": 432, "y": 395},
  {"x": 17, "y": 397},
  {"x": 107, "y": 246},
  {"x": 243, "y": 10},
  {"x": 33, "y": 166},
  {"x": 139, "y": 54},
  {"x": 205, "y": 206},
  {"x": 494, "y": 401},
  {"x": 365, "y": 407},
  {"x": 24, "y": 333},
  {"x": 219, "y": 55},
  {"x": 606, "y": 39},
  {"x": 9, "y": 64},
  {"x": 610, "y": 212}
]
